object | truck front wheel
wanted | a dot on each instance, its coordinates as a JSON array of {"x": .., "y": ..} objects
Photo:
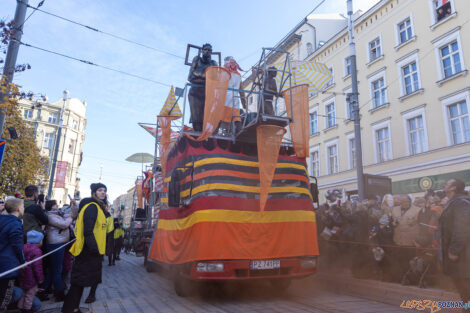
[
  {"x": 183, "y": 287},
  {"x": 281, "y": 284}
]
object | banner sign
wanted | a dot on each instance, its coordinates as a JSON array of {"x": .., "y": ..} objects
[
  {"x": 61, "y": 172},
  {"x": 3, "y": 143}
]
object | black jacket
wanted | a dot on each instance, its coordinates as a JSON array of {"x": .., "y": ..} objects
[
  {"x": 34, "y": 217},
  {"x": 86, "y": 270},
  {"x": 454, "y": 226}
]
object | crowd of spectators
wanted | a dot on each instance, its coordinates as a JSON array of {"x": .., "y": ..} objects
[
  {"x": 393, "y": 238},
  {"x": 30, "y": 227}
]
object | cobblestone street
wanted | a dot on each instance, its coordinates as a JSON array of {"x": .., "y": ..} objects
[{"x": 127, "y": 287}]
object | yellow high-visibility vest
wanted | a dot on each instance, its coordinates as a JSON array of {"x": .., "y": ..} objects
[
  {"x": 99, "y": 231},
  {"x": 109, "y": 224},
  {"x": 119, "y": 232}
]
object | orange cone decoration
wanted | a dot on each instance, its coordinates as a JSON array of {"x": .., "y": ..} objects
[
  {"x": 217, "y": 79},
  {"x": 165, "y": 123},
  {"x": 299, "y": 128},
  {"x": 269, "y": 139}
]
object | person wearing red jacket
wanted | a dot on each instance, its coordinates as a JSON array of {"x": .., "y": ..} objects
[{"x": 32, "y": 275}]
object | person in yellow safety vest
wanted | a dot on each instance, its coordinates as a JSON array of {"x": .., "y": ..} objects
[
  {"x": 109, "y": 237},
  {"x": 118, "y": 239},
  {"x": 89, "y": 247},
  {"x": 109, "y": 250}
]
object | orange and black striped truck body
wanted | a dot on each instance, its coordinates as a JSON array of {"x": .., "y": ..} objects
[{"x": 218, "y": 232}]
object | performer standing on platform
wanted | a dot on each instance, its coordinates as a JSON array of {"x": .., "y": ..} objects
[{"x": 197, "y": 94}]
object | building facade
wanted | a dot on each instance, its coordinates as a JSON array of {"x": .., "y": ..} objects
[
  {"x": 44, "y": 118},
  {"x": 414, "y": 95},
  {"x": 124, "y": 206}
]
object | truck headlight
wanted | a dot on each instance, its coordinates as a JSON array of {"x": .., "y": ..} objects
[
  {"x": 308, "y": 263},
  {"x": 210, "y": 267}
]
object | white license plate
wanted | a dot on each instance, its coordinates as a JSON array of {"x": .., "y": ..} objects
[{"x": 265, "y": 264}]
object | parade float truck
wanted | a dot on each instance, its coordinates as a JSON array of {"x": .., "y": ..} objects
[
  {"x": 213, "y": 229},
  {"x": 238, "y": 205}
]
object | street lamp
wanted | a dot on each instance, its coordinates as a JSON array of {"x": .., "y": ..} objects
[{"x": 57, "y": 144}]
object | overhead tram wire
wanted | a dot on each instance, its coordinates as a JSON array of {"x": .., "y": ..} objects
[
  {"x": 94, "y": 64},
  {"x": 105, "y": 33}
]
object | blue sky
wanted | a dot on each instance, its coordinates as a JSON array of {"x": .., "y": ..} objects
[{"x": 116, "y": 103}]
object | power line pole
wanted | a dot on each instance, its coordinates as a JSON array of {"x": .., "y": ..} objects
[
  {"x": 12, "y": 52},
  {"x": 355, "y": 102},
  {"x": 57, "y": 145}
]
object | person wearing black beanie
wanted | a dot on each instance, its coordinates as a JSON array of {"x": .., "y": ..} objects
[
  {"x": 94, "y": 188},
  {"x": 89, "y": 246}
]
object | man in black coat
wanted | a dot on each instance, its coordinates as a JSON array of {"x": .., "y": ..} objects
[
  {"x": 454, "y": 226},
  {"x": 34, "y": 216}
]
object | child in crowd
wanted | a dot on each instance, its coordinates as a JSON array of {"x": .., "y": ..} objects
[
  {"x": 32, "y": 275},
  {"x": 11, "y": 248}
]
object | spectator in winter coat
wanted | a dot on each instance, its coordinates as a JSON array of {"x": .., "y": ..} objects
[
  {"x": 382, "y": 234},
  {"x": 405, "y": 221},
  {"x": 34, "y": 216},
  {"x": 31, "y": 276},
  {"x": 425, "y": 229},
  {"x": 11, "y": 248},
  {"x": 89, "y": 247},
  {"x": 58, "y": 233},
  {"x": 374, "y": 210},
  {"x": 455, "y": 237}
]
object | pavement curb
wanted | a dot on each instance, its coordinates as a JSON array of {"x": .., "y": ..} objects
[{"x": 390, "y": 293}]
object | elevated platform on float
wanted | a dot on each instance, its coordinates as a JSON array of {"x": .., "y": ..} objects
[{"x": 247, "y": 132}]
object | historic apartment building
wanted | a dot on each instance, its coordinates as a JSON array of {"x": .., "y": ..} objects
[
  {"x": 124, "y": 205},
  {"x": 44, "y": 117},
  {"x": 414, "y": 95}
]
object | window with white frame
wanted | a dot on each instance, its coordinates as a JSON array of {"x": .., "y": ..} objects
[
  {"x": 347, "y": 66},
  {"x": 330, "y": 115},
  {"x": 442, "y": 9},
  {"x": 450, "y": 58},
  {"x": 449, "y": 54},
  {"x": 405, "y": 30},
  {"x": 352, "y": 152},
  {"x": 72, "y": 146},
  {"x": 375, "y": 49},
  {"x": 332, "y": 80},
  {"x": 315, "y": 163},
  {"x": 28, "y": 114},
  {"x": 309, "y": 48},
  {"x": 378, "y": 92},
  {"x": 52, "y": 118},
  {"x": 408, "y": 70},
  {"x": 75, "y": 124},
  {"x": 382, "y": 142},
  {"x": 69, "y": 173},
  {"x": 332, "y": 155},
  {"x": 48, "y": 140},
  {"x": 416, "y": 134},
  {"x": 313, "y": 123},
  {"x": 459, "y": 122},
  {"x": 410, "y": 77}
]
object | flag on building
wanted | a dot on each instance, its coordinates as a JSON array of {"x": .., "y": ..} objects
[{"x": 61, "y": 172}]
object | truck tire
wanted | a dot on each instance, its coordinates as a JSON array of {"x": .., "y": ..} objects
[
  {"x": 183, "y": 287},
  {"x": 281, "y": 284}
]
